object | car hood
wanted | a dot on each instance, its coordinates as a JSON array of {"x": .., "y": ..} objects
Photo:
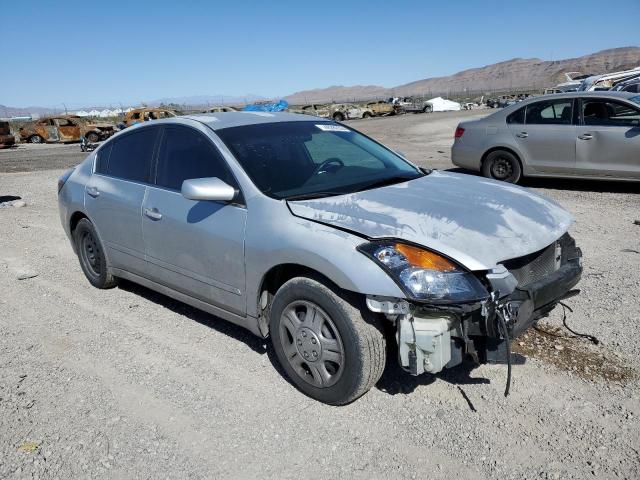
[{"x": 475, "y": 221}]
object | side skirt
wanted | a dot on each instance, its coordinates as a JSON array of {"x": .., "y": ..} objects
[{"x": 247, "y": 322}]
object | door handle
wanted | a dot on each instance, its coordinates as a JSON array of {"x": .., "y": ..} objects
[
  {"x": 93, "y": 191},
  {"x": 522, "y": 135},
  {"x": 153, "y": 213},
  {"x": 585, "y": 136}
]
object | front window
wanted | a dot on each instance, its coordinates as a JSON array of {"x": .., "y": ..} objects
[
  {"x": 296, "y": 160},
  {"x": 609, "y": 113}
]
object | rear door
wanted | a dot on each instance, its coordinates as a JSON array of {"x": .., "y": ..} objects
[
  {"x": 608, "y": 138},
  {"x": 195, "y": 247},
  {"x": 546, "y": 139},
  {"x": 114, "y": 195}
]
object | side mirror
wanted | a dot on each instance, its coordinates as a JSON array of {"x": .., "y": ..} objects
[{"x": 208, "y": 189}]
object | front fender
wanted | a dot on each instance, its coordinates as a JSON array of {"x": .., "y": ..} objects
[{"x": 279, "y": 238}]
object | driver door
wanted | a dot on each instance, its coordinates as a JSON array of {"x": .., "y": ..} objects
[{"x": 608, "y": 139}]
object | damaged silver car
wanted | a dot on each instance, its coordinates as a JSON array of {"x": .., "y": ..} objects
[{"x": 313, "y": 234}]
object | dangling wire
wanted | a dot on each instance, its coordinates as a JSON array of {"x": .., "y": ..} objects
[
  {"x": 593, "y": 339},
  {"x": 505, "y": 333}
]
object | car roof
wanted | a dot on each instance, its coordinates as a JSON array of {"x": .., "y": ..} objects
[
  {"x": 599, "y": 93},
  {"x": 220, "y": 120}
]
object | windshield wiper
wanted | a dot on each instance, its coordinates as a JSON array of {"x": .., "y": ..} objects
[
  {"x": 387, "y": 181},
  {"x": 309, "y": 196}
]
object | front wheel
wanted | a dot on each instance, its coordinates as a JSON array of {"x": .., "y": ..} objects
[
  {"x": 331, "y": 347},
  {"x": 36, "y": 139},
  {"x": 502, "y": 165}
]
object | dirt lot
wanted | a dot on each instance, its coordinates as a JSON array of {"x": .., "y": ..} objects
[{"x": 127, "y": 383}]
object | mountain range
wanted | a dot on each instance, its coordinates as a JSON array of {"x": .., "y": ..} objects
[{"x": 515, "y": 74}]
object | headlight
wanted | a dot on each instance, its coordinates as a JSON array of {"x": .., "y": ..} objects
[{"x": 425, "y": 275}]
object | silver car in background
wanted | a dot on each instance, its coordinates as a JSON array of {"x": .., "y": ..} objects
[
  {"x": 306, "y": 231},
  {"x": 590, "y": 135}
]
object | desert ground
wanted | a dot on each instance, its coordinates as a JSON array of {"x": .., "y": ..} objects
[{"x": 127, "y": 383}]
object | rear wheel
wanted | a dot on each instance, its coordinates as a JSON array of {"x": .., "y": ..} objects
[
  {"x": 91, "y": 255},
  {"x": 502, "y": 165},
  {"x": 331, "y": 347},
  {"x": 93, "y": 137}
]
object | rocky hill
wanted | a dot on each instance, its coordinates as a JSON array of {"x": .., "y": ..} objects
[{"x": 515, "y": 74}]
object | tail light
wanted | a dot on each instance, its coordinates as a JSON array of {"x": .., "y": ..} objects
[
  {"x": 63, "y": 178},
  {"x": 459, "y": 132}
]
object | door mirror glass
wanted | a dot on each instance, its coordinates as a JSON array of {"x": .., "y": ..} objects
[{"x": 208, "y": 189}]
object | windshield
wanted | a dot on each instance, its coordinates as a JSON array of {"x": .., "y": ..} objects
[
  {"x": 635, "y": 99},
  {"x": 296, "y": 160}
]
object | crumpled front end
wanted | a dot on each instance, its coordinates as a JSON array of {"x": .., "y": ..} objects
[{"x": 519, "y": 292}]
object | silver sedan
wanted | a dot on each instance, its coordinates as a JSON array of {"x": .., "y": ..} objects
[
  {"x": 306, "y": 231},
  {"x": 590, "y": 135}
]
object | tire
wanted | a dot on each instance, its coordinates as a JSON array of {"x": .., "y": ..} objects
[
  {"x": 427, "y": 109},
  {"x": 338, "y": 117},
  {"x": 93, "y": 137},
  {"x": 502, "y": 165},
  {"x": 91, "y": 255},
  {"x": 366, "y": 115},
  {"x": 338, "y": 354},
  {"x": 36, "y": 139}
]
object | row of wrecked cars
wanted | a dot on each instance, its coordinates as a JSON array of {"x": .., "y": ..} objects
[{"x": 74, "y": 128}]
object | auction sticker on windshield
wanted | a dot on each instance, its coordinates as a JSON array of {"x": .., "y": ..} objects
[{"x": 332, "y": 128}]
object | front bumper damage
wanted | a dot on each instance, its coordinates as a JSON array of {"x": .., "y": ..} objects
[{"x": 433, "y": 337}]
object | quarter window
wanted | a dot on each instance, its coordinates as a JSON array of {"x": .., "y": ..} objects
[
  {"x": 517, "y": 116},
  {"x": 550, "y": 112},
  {"x": 131, "y": 155},
  {"x": 609, "y": 114},
  {"x": 187, "y": 154}
]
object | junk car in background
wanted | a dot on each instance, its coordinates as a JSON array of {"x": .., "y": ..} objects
[
  {"x": 139, "y": 115},
  {"x": 6, "y": 139},
  {"x": 64, "y": 128}
]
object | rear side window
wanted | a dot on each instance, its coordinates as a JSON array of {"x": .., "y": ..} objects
[
  {"x": 609, "y": 114},
  {"x": 131, "y": 155},
  {"x": 186, "y": 154},
  {"x": 517, "y": 116},
  {"x": 102, "y": 158},
  {"x": 550, "y": 112}
]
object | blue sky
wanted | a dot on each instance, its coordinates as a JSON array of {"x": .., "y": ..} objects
[{"x": 103, "y": 53}]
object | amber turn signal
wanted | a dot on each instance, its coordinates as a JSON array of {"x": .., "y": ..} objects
[{"x": 418, "y": 257}]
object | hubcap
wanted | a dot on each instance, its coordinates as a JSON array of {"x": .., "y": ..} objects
[
  {"x": 311, "y": 343},
  {"x": 501, "y": 168}
]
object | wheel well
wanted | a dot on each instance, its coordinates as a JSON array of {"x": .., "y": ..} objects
[
  {"x": 280, "y": 274},
  {"x": 494, "y": 149},
  {"x": 75, "y": 218}
]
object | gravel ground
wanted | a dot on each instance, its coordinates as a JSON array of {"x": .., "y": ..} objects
[{"x": 126, "y": 383}]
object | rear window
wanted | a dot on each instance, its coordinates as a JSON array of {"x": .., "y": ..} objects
[
  {"x": 549, "y": 112},
  {"x": 131, "y": 155}
]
